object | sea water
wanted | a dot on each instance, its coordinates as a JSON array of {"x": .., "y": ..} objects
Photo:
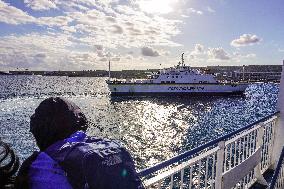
[{"x": 152, "y": 129}]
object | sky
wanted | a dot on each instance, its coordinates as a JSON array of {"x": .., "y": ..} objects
[{"x": 139, "y": 34}]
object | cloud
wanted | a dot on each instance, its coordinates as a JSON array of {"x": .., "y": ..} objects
[
  {"x": 212, "y": 55},
  {"x": 251, "y": 55},
  {"x": 115, "y": 59},
  {"x": 116, "y": 29},
  {"x": 148, "y": 51},
  {"x": 104, "y": 59},
  {"x": 59, "y": 21},
  {"x": 124, "y": 9},
  {"x": 194, "y": 11},
  {"x": 40, "y": 5},
  {"x": 281, "y": 50},
  {"x": 99, "y": 47},
  {"x": 110, "y": 56},
  {"x": 245, "y": 40},
  {"x": 82, "y": 32},
  {"x": 98, "y": 24},
  {"x": 238, "y": 57},
  {"x": 209, "y": 9},
  {"x": 198, "y": 53},
  {"x": 40, "y": 55},
  {"x": 198, "y": 49},
  {"x": 110, "y": 19},
  {"x": 166, "y": 53},
  {"x": 45, "y": 52},
  {"x": 68, "y": 29},
  {"x": 218, "y": 54},
  {"x": 129, "y": 57},
  {"x": 136, "y": 27},
  {"x": 14, "y": 16},
  {"x": 157, "y": 7}
]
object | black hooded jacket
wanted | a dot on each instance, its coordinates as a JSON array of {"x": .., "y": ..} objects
[{"x": 90, "y": 162}]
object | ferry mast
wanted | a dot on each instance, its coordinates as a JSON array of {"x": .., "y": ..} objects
[
  {"x": 109, "y": 69},
  {"x": 182, "y": 60}
]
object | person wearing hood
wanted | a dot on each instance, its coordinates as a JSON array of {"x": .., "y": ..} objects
[{"x": 69, "y": 158}]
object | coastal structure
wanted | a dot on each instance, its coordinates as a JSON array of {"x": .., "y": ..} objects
[
  {"x": 240, "y": 159},
  {"x": 256, "y": 76},
  {"x": 180, "y": 79},
  {"x": 251, "y": 73},
  {"x": 5, "y": 73}
]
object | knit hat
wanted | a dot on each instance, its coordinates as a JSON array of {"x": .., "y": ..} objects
[{"x": 55, "y": 119}]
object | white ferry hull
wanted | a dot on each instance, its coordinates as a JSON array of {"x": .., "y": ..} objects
[{"x": 124, "y": 89}]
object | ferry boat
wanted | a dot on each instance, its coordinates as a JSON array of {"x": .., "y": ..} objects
[{"x": 177, "y": 80}]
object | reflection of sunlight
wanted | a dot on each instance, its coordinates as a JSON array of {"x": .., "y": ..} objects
[
  {"x": 157, "y": 6},
  {"x": 162, "y": 131},
  {"x": 156, "y": 129}
]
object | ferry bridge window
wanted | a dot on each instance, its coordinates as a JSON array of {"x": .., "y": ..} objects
[
  {"x": 176, "y": 76},
  {"x": 168, "y": 81},
  {"x": 162, "y": 82},
  {"x": 172, "y": 81},
  {"x": 173, "y": 76}
]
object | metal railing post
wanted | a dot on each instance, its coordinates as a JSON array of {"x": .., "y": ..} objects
[
  {"x": 279, "y": 132},
  {"x": 259, "y": 144},
  {"x": 277, "y": 171},
  {"x": 278, "y": 140},
  {"x": 219, "y": 165}
]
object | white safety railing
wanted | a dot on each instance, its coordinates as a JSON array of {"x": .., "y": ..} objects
[
  {"x": 278, "y": 177},
  {"x": 236, "y": 160}
]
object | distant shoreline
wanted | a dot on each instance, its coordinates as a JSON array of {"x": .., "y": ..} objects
[{"x": 257, "y": 72}]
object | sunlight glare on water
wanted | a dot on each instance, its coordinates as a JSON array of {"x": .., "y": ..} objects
[{"x": 152, "y": 129}]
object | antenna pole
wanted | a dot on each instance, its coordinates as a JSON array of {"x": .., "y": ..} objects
[
  {"x": 243, "y": 72},
  {"x": 109, "y": 69},
  {"x": 182, "y": 59}
]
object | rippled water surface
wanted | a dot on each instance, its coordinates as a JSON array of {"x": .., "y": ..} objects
[{"x": 152, "y": 129}]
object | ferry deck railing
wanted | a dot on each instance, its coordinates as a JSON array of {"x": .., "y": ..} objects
[
  {"x": 278, "y": 176},
  {"x": 236, "y": 160}
]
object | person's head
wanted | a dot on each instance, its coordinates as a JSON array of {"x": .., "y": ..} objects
[
  {"x": 56, "y": 119},
  {"x": 9, "y": 164}
]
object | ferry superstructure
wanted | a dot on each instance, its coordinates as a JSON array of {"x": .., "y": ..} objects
[{"x": 180, "y": 79}]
